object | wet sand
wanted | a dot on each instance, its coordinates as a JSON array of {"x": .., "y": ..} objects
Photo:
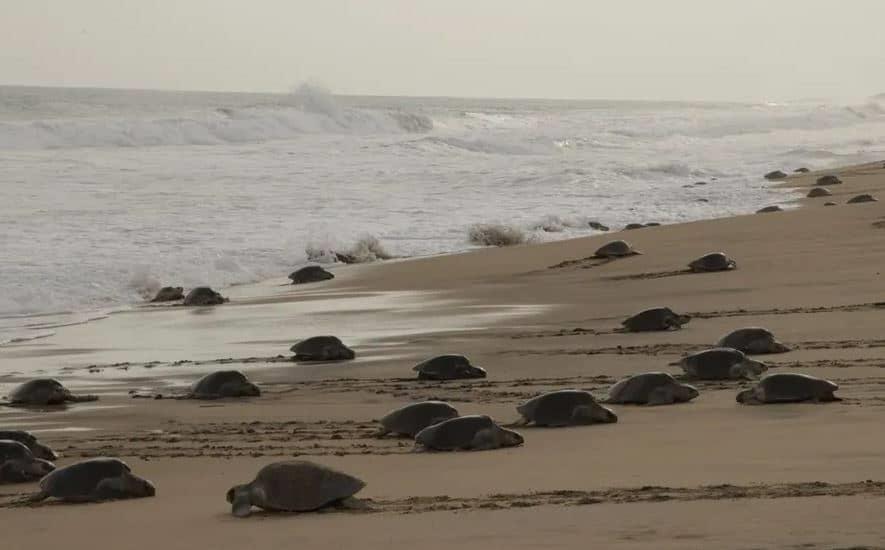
[{"x": 710, "y": 473}]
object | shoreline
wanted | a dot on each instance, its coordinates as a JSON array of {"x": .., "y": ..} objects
[{"x": 811, "y": 274}]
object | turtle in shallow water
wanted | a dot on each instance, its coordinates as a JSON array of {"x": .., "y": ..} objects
[
  {"x": 776, "y": 175},
  {"x": 829, "y": 179},
  {"x": 752, "y": 340},
  {"x": 634, "y": 225},
  {"x": 656, "y": 318},
  {"x": 169, "y": 294},
  {"x": 598, "y": 226},
  {"x": 862, "y": 198},
  {"x": 203, "y": 296},
  {"x": 651, "y": 388},
  {"x": 223, "y": 383},
  {"x": 787, "y": 387},
  {"x": 615, "y": 249},
  {"x": 310, "y": 274},
  {"x": 818, "y": 192},
  {"x": 768, "y": 209},
  {"x": 802, "y": 170},
  {"x": 30, "y": 441},
  {"x": 411, "y": 419},
  {"x": 19, "y": 465},
  {"x": 293, "y": 486},
  {"x": 565, "y": 408},
  {"x": 45, "y": 391},
  {"x": 94, "y": 480},
  {"x": 448, "y": 367},
  {"x": 467, "y": 433},
  {"x": 322, "y": 348},
  {"x": 714, "y": 261},
  {"x": 720, "y": 364}
]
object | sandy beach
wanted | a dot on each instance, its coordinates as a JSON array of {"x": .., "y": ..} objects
[{"x": 708, "y": 474}]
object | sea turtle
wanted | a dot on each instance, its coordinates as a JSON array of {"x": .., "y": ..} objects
[
  {"x": 802, "y": 170},
  {"x": 776, "y": 175},
  {"x": 829, "y": 179},
  {"x": 169, "y": 294},
  {"x": 411, "y": 419},
  {"x": 818, "y": 192},
  {"x": 94, "y": 480},
  {"x": 203, "y": 296},
  {"x": 310, "y": 274},
  {"x": 651, "y": 388},
  {"x": 829, "y": 204},
  {"x": 656, "y": 318},
  {"x": 293, "y": 486},
  {"x": 768, "y": 209},
  {"x": 714, "y": 261},
  {"x": 653, "y": 224},
  {"x": 633, "y": 225},
  {"x": 223, "y": 383},
  {"x": 862, "y": 198},
  {"x": 720, "y": 364},
  {"x": 565, "y": 408},
  {"x": 469, "y": 433},
  {"x": 753, "y": 340},
  {"x": 615, "y": 249},
  {"x": 788, "y": 387},
  {"x": 322, "y": 348},
  {"x": 448, "y": 367},
  {"x": 19, "y": 465},
  {"x": 30, "y": 441},
  {"x": 597, "y": 226},
  {"x": 45, "y": 391}
]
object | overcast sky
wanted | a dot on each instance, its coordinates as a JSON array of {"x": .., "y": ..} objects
[{"x": 649, "y": 49}]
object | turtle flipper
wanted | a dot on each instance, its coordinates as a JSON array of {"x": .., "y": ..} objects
[
  {"x": 485, "y": 440},
  {"x": 661, "y": 396}
]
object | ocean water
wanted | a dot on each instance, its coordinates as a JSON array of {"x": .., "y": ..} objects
[{"x": 105, "y": 195}]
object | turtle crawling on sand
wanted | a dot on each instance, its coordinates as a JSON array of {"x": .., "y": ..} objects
[
  {"x": 169, "y": 294},
  {"x": 19, "y": 465},
  {"x": 714, "y": 261},
  {"x": 720, "y": 364},
  {"x": 411, "y": 419},
  {"x": 448, "y": 367},
  {"x": 565, "y": 408},
  {"x": 829, "y": 179},
  {"x": 818, "y": 192},
  {"x": 310, "y": 274},
  {"x": 467, "y": 433},
  {"x": 30, "y": 441},
  {"x": 322, "y": 348},
  {"x": 203, "y": 296},
  {"x": 293, "y": 486},
  {"x": 653, "y": 319},
  {"x": 752, "y": 340},
  {"x": 787, "y": 387},
  {"x": 45, "y": 391},
  {"x": 651, "y": 388},
  {"x": 776, "y": 175},
  {"x": 94, "y": 480},
  {"x": 862, "y": 198},
  {"x": 768, "y": 209},
  {"x": 615, "y": 249},
  {"x": 224, "y": 383}
]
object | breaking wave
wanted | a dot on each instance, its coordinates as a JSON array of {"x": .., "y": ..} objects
[
  {"x": 485, "y": 234},
  {"x": 366, "y": 249}
]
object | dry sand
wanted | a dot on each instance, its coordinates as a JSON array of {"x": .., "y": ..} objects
[{"x": 709, "y": 474}]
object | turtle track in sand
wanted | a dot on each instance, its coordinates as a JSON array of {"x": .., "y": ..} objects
[
  {"x": 238, "y": 439},
  {"x": 625, "y": 495},
  {"x": 587, "y": 263}
]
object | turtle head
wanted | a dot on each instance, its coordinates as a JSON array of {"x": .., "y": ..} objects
[
  {"x": 510, "y": 438},
  {"x": 240, "y": 497},
  {"x": 686, "y": 392},
  {"x": 42, "y": 451},
  {"x": 250, "y": 390},
  {"x": 678, "y": 320},
  {"x": 471, "y": 371},
  {"x": 39, "y": 467},
  {"x": 777, "y": 347},
  {"x": 747, "y": 397},
  {"x": 134, "y": 486},
  {"x": 753, "y": 368},
  {"x": 603, "y": 415}
]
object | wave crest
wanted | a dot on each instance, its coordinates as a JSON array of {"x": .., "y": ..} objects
[
  {"x": 491, "y": 234},
  {"x": 366, "y": 249}
]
